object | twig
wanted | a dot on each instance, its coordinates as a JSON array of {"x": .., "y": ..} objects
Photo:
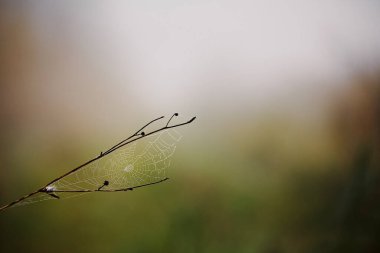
[
  {"x": 111, "y": 190},
  {"x": 136, "y": 136}
]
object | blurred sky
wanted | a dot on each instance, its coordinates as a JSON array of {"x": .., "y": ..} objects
[{"x": 97, "y": 60}]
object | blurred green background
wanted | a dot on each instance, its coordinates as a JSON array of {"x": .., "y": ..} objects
[{"x": 283, "y": 156}]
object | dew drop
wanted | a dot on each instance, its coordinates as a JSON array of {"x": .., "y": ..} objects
[{"x": 128, "y": 168}]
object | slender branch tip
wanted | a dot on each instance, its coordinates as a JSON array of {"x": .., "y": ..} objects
[
  {"x": 192, "y": 119},
  {"x": 175, "y": 114}
]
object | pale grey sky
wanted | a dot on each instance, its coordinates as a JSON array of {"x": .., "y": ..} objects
[{"x": 112, "y": 57}]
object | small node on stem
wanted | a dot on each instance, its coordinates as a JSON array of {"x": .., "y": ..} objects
[
  {"x": 142, "y": 133},
  {"x": 50, "y": 188},
  {"x": 50, "y": 191},
  {"x": 176, "y": 114},
  {"x": 104, "y": 184}
]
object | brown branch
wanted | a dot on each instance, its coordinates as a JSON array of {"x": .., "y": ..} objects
[{"x": 136, "y": 136}]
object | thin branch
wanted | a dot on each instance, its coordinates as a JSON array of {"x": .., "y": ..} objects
[
  {"x": 136, "y": 136},
  {"x": 130, "y": 137},
  {"x": 112, "y": 190}
]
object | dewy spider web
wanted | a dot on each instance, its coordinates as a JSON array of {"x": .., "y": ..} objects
[{"x": 139, "y": 163}]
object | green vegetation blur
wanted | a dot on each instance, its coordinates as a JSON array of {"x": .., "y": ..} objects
[
  {"x": 267, "y": 166},
  {"x": 267, "y": 186}
]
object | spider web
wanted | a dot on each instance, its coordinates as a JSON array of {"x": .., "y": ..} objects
[{"x": 142, "y": 162}]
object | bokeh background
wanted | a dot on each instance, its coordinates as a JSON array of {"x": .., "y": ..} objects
[{"x": 283, "y": 156}]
